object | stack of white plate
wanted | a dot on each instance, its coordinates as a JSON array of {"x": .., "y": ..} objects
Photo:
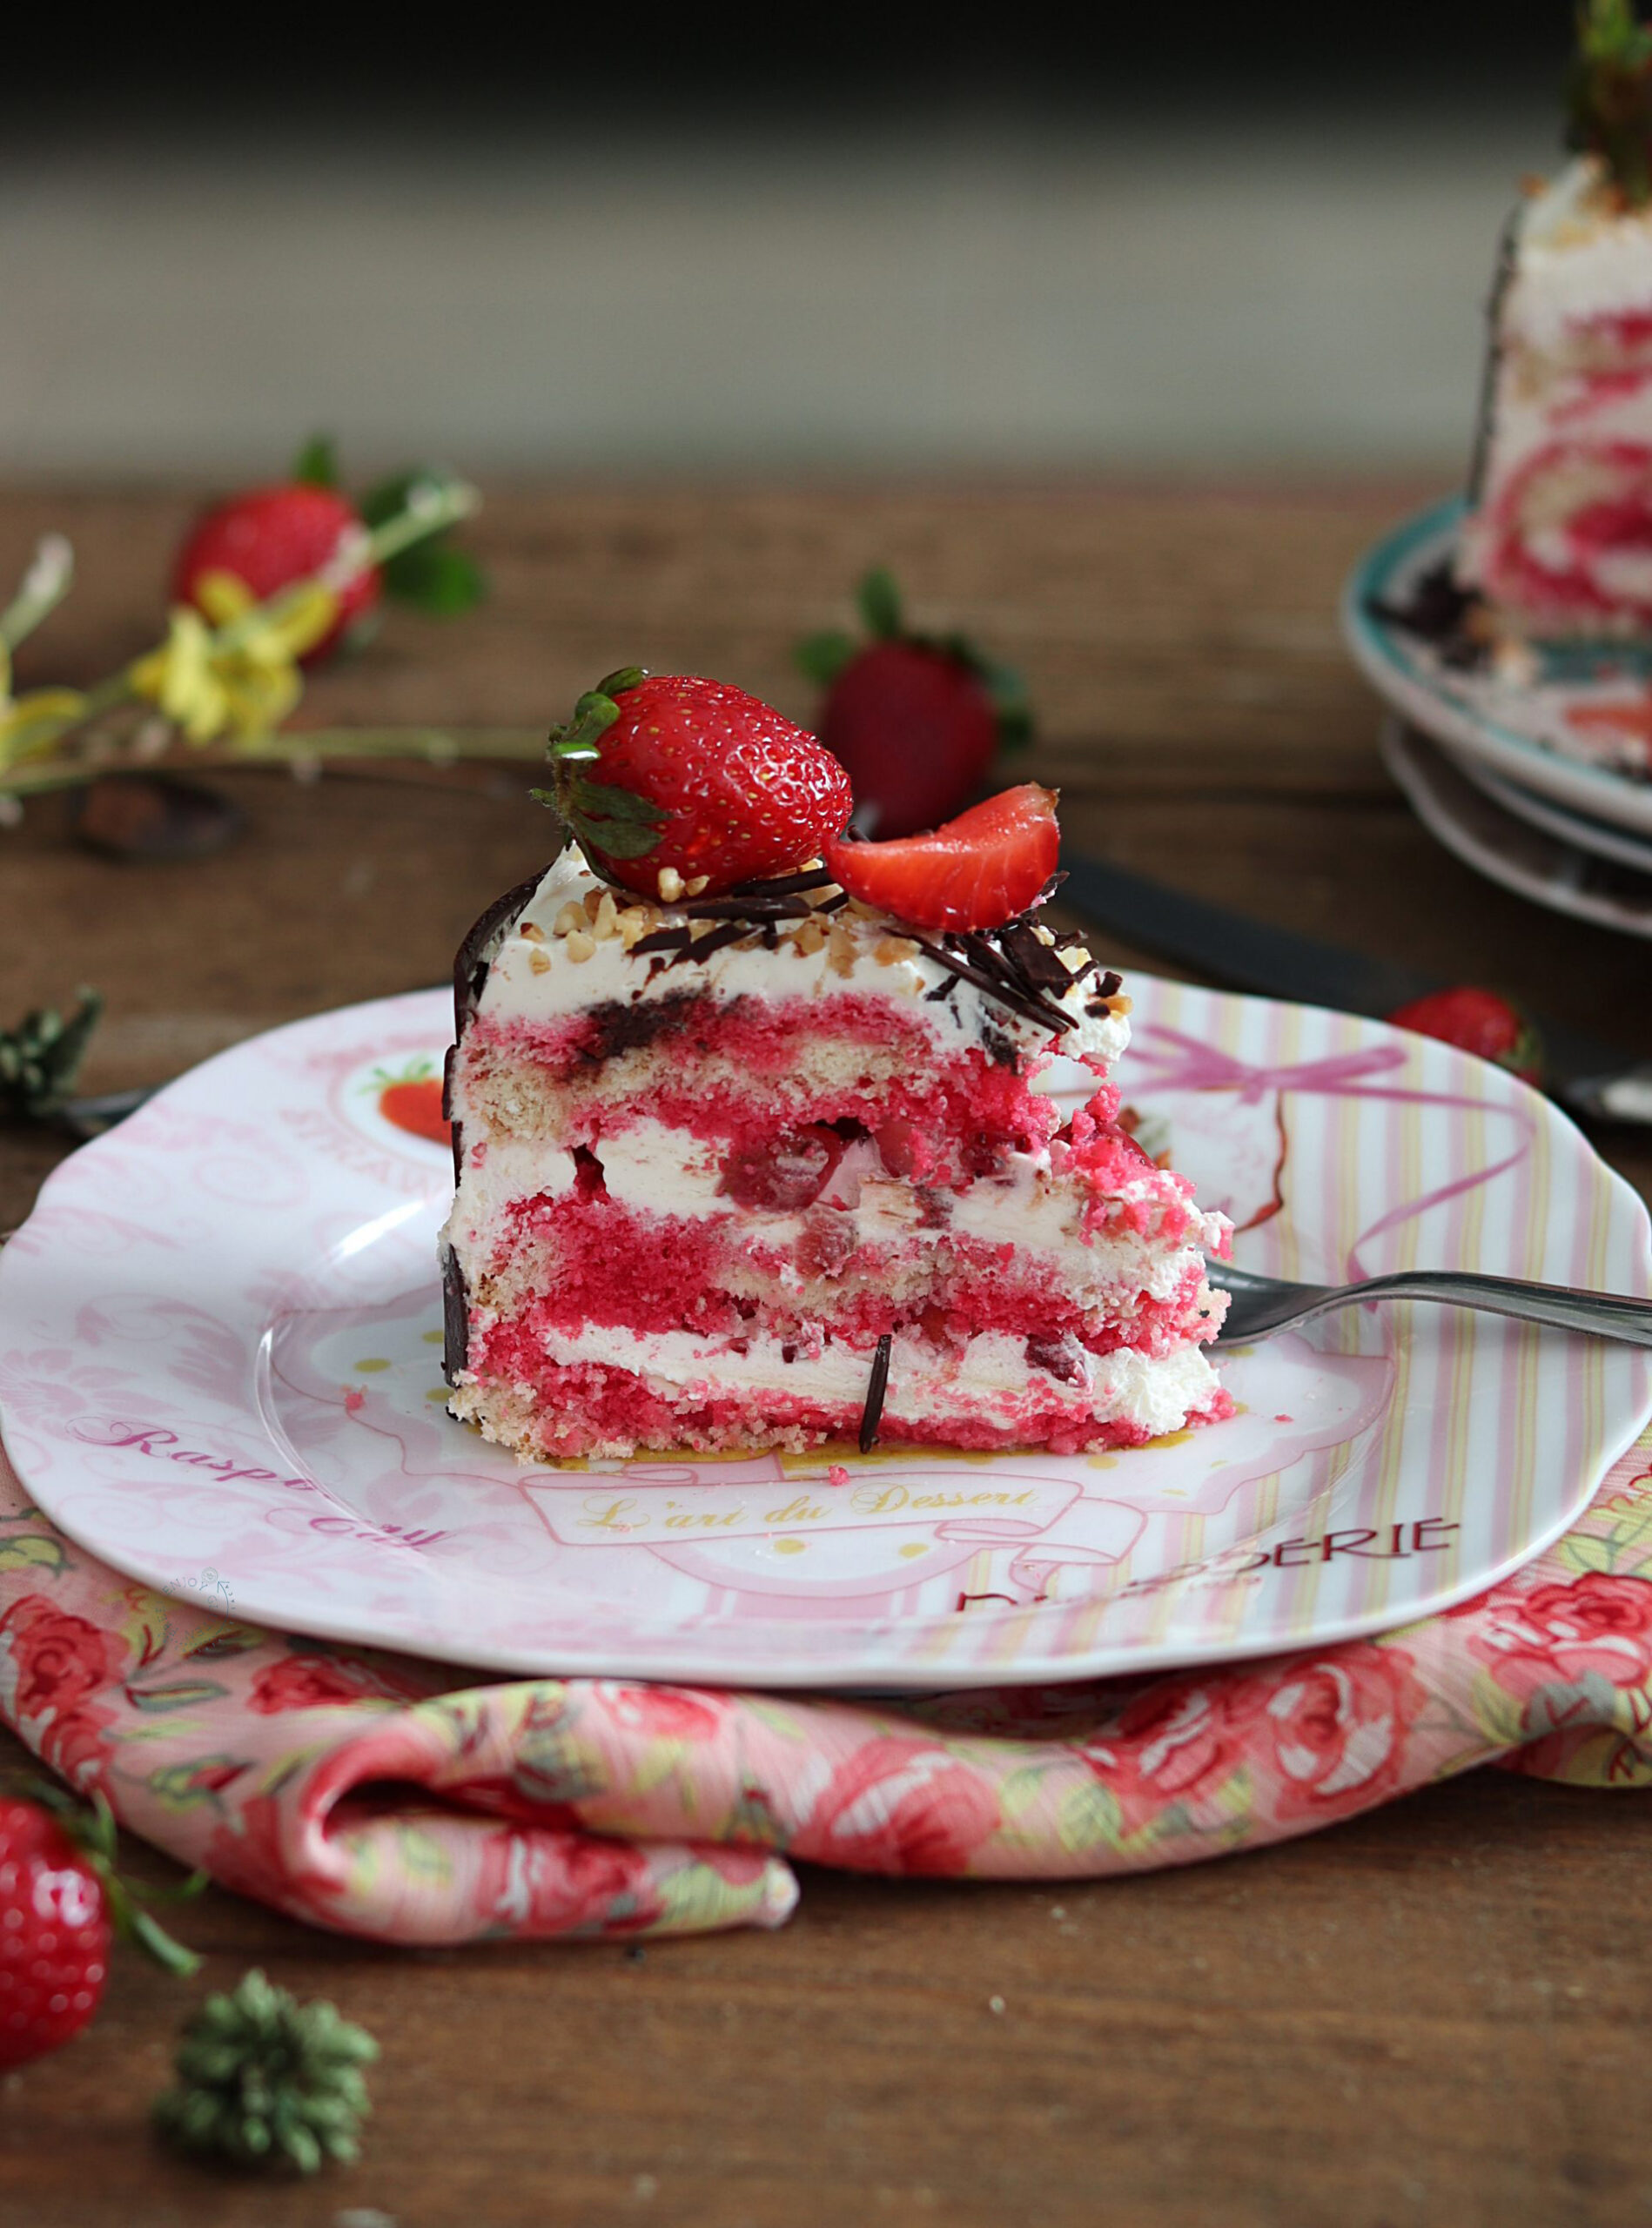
[{"x": 1487, "y": 770}]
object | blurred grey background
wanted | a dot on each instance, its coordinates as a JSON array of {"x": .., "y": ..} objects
[{"x": 1215, "y": 240}]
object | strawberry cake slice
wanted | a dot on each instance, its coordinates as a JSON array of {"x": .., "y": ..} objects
[
  {"x": 1558, "y": 540},
  {"x": 749, "y": 1148}
]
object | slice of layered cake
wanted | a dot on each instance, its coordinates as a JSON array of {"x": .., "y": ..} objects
[
  {"x": 749, "y": 1150},
  {"x": 1559, "y": 540}
]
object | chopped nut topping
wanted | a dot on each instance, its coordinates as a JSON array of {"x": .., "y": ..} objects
[
  {"x": 592, "y": 901},
  {"x": 608, "y": 914},
  {"x": 580, "y": 946},
  {"x": 889, "y": 950},
  {"x": 531, "y": 932},
  {"x": 843, "y": 949},
  {"x": 1044, "y": 936},
  {"x": 808, "y": 936},
  {"x": 571, "y": 917},
  {"x": 693, "y": 889},
  {"x": 670, "y": 885},
  {"x": 540, "y": 961},
  {"x": 634, "y": 922}
]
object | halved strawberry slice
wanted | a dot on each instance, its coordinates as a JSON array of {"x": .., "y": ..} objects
[{"x": 976, "y": 872}]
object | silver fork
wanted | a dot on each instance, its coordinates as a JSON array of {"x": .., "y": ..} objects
[{"x": 1261, "y": 1306}]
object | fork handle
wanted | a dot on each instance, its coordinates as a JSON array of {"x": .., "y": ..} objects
[{"x": 1599, "y": 1313}]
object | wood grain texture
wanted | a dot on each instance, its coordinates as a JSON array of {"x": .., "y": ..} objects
[{"x": 1436, "y": 2014}]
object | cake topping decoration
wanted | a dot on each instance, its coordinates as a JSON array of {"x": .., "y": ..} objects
[
  {"x": 679, "y": 788},
  {"x": 1611, "y": 95},
  {"x": 977, "y": 871}
]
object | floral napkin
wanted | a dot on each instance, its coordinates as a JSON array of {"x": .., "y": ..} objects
[{"x": 384, "y": 1796}]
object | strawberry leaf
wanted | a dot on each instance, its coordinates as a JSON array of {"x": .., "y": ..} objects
[
  {"x": 880, "y": 605},
  {"x": 432, "y": 575},
  {"x": 435, "y": 577},
  {"x": 316, "y": 463},
  {"x": 821, "y": 658},
  {"x": 615, "y": 821}
]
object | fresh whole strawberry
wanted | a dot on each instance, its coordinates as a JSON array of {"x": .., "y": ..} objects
[
  {"x": 915, "y": 719},
  {"x": 1477, "y": 1021},
  {"x": 676, "y": 786},
  {"x": 60, "y": 1902},
  {"x": 977, "y": 872},
  {"x": 270, "y": 537}
]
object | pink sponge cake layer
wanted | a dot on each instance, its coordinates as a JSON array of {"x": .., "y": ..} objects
[{"x": 776, "y": 1172}]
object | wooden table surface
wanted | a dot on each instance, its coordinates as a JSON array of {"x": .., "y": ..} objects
[{"x": 1438, "y": 2013}]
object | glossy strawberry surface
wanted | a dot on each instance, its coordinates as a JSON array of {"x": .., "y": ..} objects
[
  {"x": 270, "y": 537},
  {"x": 54, "y": 1934},
  {"x": 976, "y": 872},
  {"x": 700, "y": 782}
]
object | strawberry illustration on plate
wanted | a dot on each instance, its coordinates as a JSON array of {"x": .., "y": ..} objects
[{"x": 411, "y": 1100}]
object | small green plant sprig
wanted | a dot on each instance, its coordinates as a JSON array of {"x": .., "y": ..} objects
[
  {"x": 40, "y": 1058},
  {"x": 266, "y": 2082}
]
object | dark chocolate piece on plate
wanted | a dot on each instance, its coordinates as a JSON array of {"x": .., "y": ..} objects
[
  {"x": 455, "y": 1311},
  {"x": 872, "y": 1413}
]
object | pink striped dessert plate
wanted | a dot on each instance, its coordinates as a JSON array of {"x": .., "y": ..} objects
[{"x": 220, "y": 1338}]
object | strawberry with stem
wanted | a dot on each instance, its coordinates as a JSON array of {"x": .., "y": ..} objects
[
  {"x": 674, "y": 785},
  {"x": 916, "y": 719},
  {"x": 62, "y": 1901}
]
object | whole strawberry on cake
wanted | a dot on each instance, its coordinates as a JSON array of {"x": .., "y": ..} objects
[{"x": 749, "y": 1149}]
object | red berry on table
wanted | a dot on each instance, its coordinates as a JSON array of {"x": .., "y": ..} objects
[
  {"x": 915, "y": 719},
  {"x": 54, "y": 1934},
  {"x": 270, "y": 537},
  {"x": 1476, "y": 1021},
  {"x": 61, "y": 1900},
  {"x": 675, "y": 786},
  {"x": 977, "y": 872}
]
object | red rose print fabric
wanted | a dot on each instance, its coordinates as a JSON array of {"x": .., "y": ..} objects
[{"x": 377, "y": 1795}]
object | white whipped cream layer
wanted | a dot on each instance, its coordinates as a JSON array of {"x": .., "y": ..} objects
[
  {"x": 659, "y": 1170},
  {"x": 1577, "y": 255},
  {"x": 989, "y": 1375},
  {"x": 533, "y": 978}
]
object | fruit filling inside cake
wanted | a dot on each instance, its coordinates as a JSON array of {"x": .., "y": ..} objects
[{"x": 766, "y": 1165}]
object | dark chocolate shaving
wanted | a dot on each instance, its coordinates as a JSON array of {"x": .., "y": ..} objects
[
  {"x": 987, "y": 968},
  {"x": 1110, "y": 985},
  {"x": 872, "y": 1413},
  {"x": 784, "y": 885},
  {"x": 746, "y": 908},
  {"x": 1040, "y": 964},
  {"x": 675, "y": 937},
  {"x": 719, "y": 940},
  {"x": 455, "y": 1312}
]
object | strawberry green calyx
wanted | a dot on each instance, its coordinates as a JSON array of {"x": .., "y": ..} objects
[
  {"x": 91, "y": 1829},
  {"x": 606, "y": 820},
  {"x": 1610, "y": 95},
  {"x": 823, "y": 658}
]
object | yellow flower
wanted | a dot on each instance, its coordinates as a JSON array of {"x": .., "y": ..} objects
[
  {"x": 29, "y": 725},
  {"x": 240, "y": 675}
]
